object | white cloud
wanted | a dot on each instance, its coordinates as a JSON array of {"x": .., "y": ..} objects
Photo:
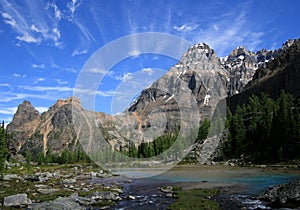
[
  {"x": 79, "y": 52},
  {"x": 215, "y": 27},
  {"x": 28, "y": 38},
  {"x": 38, "y": 66},
  {"x": 186, "y": 27},
  {"x": 72, "y": 6},
  {"x": 57, "y": 13},
  {"x": 134, "y": 53},
  {"x": 47, "y": 88},
  {"x": 41, "y": 109},
  {"x": 54, "y": 65},
  {"x": 105, "y": 93},
  {"x": 148, "y": 71},
  {"x": 8, "y": 97},
  {"x": 60, "y": 82},
  {"x": 39, "y": 80},
  {"x": 4, "y": 85},
  {"x": 30, "y": 22},
  {"x": 8, "y": 110},
  {"x": 19, "y": 75},
  {"x": 230, "y": 31},
  {"x": 97, "y": 71},
  {"x": 126, "y": 77},
  {"x": 9, "y": 19}
]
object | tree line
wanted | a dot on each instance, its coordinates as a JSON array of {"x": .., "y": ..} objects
[{"x": 264, "y": 129}]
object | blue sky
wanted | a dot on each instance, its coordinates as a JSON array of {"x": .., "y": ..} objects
[{"x": 45, "y": 44}]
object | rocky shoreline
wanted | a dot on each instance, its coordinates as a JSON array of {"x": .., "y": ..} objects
[
  {"x": 70, "y": 188},
  {"x": 89, "y": 187}
]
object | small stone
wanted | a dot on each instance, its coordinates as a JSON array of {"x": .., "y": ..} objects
[
  {"x": 69, "y": 181},
  {"x": 118, "y": 190},
  {"x": 8, "y": 177},
  {"x": 93, "y": 174},
  {"x": 169, "y": 195},
  {"x": 41, "y": 186},
  {"x": 131, "y": 197}
]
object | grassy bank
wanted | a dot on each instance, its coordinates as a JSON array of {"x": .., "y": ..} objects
[{"x": 195, "y": 199}]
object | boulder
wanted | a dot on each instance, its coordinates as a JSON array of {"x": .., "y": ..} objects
[
  {"x": 69, "y": 181},
  {"x": 8, "y": 177},
  {"x": 168, "y": 189},
  {"x": 17, "y": 200},
  {"x": 67, "y": 203},
  {"x": 104, "y": 195},
  {"x": 284, "y": 195},
  {"x": 47, "y": 191}
]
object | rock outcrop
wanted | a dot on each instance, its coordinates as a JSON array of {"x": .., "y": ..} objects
[
  {"x": 284, "y": 195},
  {"x": 23, "y": 126}
]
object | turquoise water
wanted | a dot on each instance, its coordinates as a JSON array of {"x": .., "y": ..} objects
[{"x": 254, "y": 181}]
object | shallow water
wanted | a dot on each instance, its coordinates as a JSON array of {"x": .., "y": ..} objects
[{"x": 251, "y": 182}]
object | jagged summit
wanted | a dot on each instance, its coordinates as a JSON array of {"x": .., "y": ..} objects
[
  {"x": 197, "y": 57},
  {"x": 69, "y": 101}
]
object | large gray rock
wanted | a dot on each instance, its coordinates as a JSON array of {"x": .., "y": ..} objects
[
  {"x": 286, "y": 195},
  {"x": 104, "y": 195},
  {"x": 67, "y": 203},
  {"x": 16, "y": 200},
  {"x": 8, "y": 177}
]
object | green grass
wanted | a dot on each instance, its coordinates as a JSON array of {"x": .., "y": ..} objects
[{"x": 195, "y": 199}]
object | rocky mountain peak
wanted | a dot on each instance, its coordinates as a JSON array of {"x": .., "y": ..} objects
[
  {"x": 288, "y": 43},
  {"x": 25, "y": 113},
  {"x": 71, "y": 100}
]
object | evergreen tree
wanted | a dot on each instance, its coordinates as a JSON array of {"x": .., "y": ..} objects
[
  {"x": 203, "y": 131},
  {"x": 3, "y": 147}
]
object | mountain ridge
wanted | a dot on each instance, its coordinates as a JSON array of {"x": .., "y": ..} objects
[{"x": 200, "y": 76}]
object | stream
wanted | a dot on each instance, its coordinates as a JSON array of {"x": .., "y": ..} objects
[{"x": 239, "y": 185}]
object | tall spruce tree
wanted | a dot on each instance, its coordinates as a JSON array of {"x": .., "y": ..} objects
[{"x": 3, "y": 147}]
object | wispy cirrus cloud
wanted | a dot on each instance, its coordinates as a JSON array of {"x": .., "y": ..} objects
[
  {"x": 228, "y": 32},
  {"x": 186, "y": 27},
  {"x": 60, "y": 82},
  {"x": 19, "y": 75},
  {"x": 29, "y": 21},
  {"x": 79, "y": 52},
  {"x": 38, "y": 66},
  {"x": 56, "y": 66},
  {"x": 8, "y": 110},
  {"x": 33, "y": 24}
]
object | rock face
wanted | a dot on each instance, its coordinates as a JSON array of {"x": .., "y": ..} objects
[
  {"x": 23, "y": 126},
  {"x": 52, "y": 129},
  {"x": 241, "y": 64},
  {"x": 284, "y": 195},
  {"x": 279, "y": 74}
]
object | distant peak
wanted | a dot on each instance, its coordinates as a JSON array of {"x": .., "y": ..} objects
[
  {"x": 26, "y": 103},
  {"x": 69, "y": 100}
]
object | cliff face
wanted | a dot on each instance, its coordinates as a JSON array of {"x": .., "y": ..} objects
[
  {"x": 51, "y": 130},
  {"x": 23, "y": 126}
]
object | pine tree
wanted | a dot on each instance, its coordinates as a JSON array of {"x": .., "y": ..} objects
[
  {"x": 203, "y": 131},
  {"x": 3, "y": 147}
]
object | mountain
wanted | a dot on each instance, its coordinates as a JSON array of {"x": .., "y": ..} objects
[
  {"x": 51, "y": 130},
  {"x": 187, "y": 94},
  {"x": 279, "y": 74},
  {"x": 241, "y": 64}
]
